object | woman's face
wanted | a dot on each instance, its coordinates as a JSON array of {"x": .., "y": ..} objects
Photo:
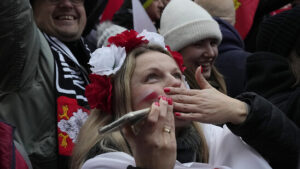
[
  {"x": 153, "y": 72},
  {"x": 155, "y": 10},
  {"x": 202, "y": 53}
]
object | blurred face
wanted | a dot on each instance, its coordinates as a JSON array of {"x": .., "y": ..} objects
[
  {"x": 203, "y": 53},
  {"x": 153, "y": 72},
  {"x": 63, "y": 19},
  {"x": 165, "y": 2},
  {"x": 155, "y": 10}
]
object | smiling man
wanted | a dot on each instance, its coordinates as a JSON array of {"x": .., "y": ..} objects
[
  {"x": 63, "y": 19},
  {"x": 43, "y": 72}
]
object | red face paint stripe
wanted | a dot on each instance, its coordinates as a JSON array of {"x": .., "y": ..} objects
[{"x": 151, "y": 96}]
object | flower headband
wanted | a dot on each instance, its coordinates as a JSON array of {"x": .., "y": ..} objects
[{"x": 106, "y": 61}]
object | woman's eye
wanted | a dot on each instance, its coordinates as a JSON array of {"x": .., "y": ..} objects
[
  {"x": 177, "y": 75},
  {"x": 151, "y": 77},
  {"x": 214, "y": 43},
  {"x": 198, "y": 45}
]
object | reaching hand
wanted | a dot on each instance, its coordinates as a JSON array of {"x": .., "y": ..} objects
[
  {"x": 207, "y": 105},
  {"x": 154, "y": 145}
]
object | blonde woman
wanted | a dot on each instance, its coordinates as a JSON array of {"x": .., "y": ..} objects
[{"x": 141, "y": 70}]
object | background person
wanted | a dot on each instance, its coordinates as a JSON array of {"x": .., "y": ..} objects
[
  {"x": 199, "y": 36},
  {"x": 274, "y": 72},
  {"x": 266, "y": 128},
  {"x": 124, "y": 17},
  {"x": 231, "y": 60},
  {"x": 43, "y": 73}
]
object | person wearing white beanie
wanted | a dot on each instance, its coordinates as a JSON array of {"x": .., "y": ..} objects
[
  {"x": 191, "y": 30},
  {"x": 189, "y": 22}
]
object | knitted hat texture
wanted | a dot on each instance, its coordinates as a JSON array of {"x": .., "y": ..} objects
[
  {"x": 184, "y": 22},
  {"x": 280, "y": 33},
  {"x": 106, "y": 30}
]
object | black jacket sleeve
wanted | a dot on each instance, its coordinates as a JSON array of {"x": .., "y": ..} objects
[{"x": 269, "y": 131}]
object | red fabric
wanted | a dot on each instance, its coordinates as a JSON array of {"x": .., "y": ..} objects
[
  {"x": 111, "y": 8},
  {"x": 6, "y": 149},
  {"x": 20, "y": 162},
  {"x": 6, "y": 146},
  {"x": 66, "y": 107},
  {"x": 245, "y": 11},
  {"x": 178, "y": 58}
]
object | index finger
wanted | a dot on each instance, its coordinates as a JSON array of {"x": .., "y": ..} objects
[{"x": 180, "y": 91}]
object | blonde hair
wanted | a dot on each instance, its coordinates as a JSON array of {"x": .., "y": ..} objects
[
  {"x": 204, "y": 148},
  {"x": 121, "y": 104}
]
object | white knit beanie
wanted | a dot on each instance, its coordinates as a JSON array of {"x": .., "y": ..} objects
[{"x": 184, "y": 22}]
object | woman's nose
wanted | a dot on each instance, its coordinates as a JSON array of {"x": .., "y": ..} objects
[
  {"x": 209, "y": 51},
  {"x": 173, "y": 82}
]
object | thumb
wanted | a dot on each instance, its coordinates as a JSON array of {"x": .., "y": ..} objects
[{"x": 202, "y": 82}]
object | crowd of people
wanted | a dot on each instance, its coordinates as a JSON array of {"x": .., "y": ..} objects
[{"x": 214, "y": 103}]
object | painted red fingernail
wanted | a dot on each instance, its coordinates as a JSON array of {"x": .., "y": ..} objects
[
  {"x": 170, "y": 101},
  {"x": 177, "y": 114},
  {"x": 164, "y": 98},
  {"x": 167, "y": 90},
  {"x": 156, "y": 103}
]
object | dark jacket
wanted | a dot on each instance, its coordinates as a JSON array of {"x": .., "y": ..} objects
[
  {"x": 270, "y": 132},
  {"x": 231, "y": 61},
  {"x": 270, "y": 76},
  {"x": 27, "y": 91}
]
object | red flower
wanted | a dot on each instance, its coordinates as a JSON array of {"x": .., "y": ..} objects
[
  {"x": 98, "y": 92},
  {"x": 178, "y": 58},
  {"x": 127, "y": 39}
]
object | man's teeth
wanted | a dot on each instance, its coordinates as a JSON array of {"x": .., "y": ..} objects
[{"x": 66, "y": 18}]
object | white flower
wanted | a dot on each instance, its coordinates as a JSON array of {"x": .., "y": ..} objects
[
  {"x": 153, "y": 38},
  {"x": 107, "y": 60},
  {"x": 73, "y": 125}
]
